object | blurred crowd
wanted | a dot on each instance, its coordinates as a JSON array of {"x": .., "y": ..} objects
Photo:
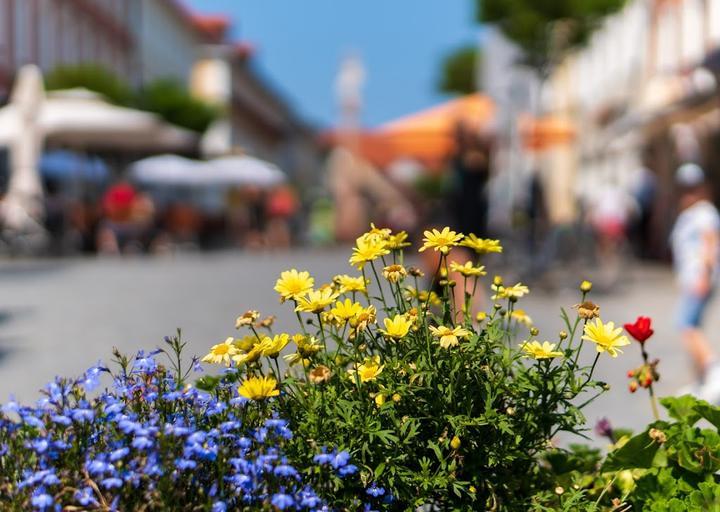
[{"x": 127, "y": 219}]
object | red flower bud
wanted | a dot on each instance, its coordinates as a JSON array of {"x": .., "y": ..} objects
[
  {"x": 631, "y": 374},
  {"x": 641, "y": 329},
  {"x": 633, "y": 386}
]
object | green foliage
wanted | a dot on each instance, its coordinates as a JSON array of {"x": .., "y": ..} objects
[
  {"x": 546, "y": 30},
  {"x": 459, "y": 71},
  {"x": 93, "y": 77},
  {"x": 671, "y": 466},
  {"x": 171, "y": 101},
  {"x": 165, "y": 97},
  {"x": 456, "y": 427}
]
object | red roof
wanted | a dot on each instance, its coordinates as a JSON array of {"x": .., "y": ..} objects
[{"x": 209, "y": 26}]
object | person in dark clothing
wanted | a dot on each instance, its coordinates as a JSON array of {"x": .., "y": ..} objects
[{"x": 471, "y": 171}]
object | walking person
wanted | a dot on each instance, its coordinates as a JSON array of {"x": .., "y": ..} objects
[{"x": 695, "y": 241}]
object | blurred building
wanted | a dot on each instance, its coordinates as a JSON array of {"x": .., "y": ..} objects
[
  {"x": 55, "y": 32},
  {"x": 642, "y": 97},
  {"x": 257, "y": 120},
  {"x": 145, "y": 40}
]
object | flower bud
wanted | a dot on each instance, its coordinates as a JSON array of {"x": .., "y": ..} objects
[
  {"x": 585, "y": 286},
  {"x": 396, "y": 397},
  {"x": 497, "y": 281},
  {"x": 562, "y": 335},
  {"x": 497, "y": 306},
  {"x": 481, "y": 316},
  {"x": 379, "y": 399},
  {"x": 633, "y": 386},
  {"x": 534, "y": 331},
  {"x": 452, "y": 283},
  {"x": 455, "y": 443},
  {"x": 510, "y": 411},
  {"x": 559, "y": 490}
]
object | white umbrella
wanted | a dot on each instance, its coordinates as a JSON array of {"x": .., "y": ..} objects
[
  {"x": 82, "y": 118},
  {"x": 169, "y": 170},
  {"x": 247, "y": 170},
  {"x": 222, "y": 172}
]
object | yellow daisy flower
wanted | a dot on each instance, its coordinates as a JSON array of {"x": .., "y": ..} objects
[
  {"x": 467, "y": 269},
  {"x": 293, "y": 284},
  {"x": 222, "y": 352},
  {"x": 347, "y": 283},
  {"x": 515, "y": 291},
  {"x": 522, "y": 317},
  {"x": 246, "y": 343},
  {"x": 344, "y": 311},
  {"x": 441, "y": 241},
  {"x": 396, "y": 328},
  {"x": 481, "y": 245},
  {"x": 364, "y": 318},
  {"x": 271, "y": 347},
  {"x": 449, "y": 337},
  {"x": 259, "y": 388},
  {"x": 536, "y": 350},
  {"x": 605, "y": 336},
  {"x": 367, "y": 249},
  {"x": 315, "y": 301},
  {"x": 369, "y": 370},
  {"x": 248, "y": 357},
  {"x": 397, "y": 241}
]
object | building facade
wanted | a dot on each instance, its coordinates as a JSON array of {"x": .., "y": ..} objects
[{"x": 50, "y": 33}]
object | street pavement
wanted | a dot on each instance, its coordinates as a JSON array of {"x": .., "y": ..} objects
[{"x": 57, "y": 317}]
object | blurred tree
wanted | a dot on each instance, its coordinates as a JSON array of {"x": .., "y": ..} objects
[
  {"x": 546, "y": 29},
  {"x": 172, "y": 101},
  {"x": 459, "y": 71},
  {"x": 165, "y": 97},
  {"x": 93, "y": 77}
]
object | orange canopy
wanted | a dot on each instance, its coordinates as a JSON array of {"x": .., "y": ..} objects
[
  {"x": 428, "y": 135},
  {"x": 540, "y": 133}
]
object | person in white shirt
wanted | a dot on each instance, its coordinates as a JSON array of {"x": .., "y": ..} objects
[{"x": 695, "y": 241}]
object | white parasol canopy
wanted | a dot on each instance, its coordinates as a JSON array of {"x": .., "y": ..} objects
[
  {"x": 226, "y": 171},
  {"x": 79, "y": 117}
]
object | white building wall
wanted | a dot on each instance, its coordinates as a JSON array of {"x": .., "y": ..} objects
[{"x": 168, "y": 46}]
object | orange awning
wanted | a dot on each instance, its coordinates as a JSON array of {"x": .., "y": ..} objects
[
  {"x": 540, "y": 133},
  {"x": 428, "y": 135}
]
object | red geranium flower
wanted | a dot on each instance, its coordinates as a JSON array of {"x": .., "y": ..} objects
[{"x": 641, "y": 329}]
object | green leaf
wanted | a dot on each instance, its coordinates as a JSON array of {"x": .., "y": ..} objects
[
  {"x": 638, "y": 452},
  {"x": 682, "y": 408}
]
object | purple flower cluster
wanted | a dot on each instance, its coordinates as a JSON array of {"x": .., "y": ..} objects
[{"x": 149, "y": 439}]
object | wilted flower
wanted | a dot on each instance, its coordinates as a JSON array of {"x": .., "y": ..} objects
[
  {"x": 320, "y": 374},
  {"x": 587, "y": 310},
  {"x": 394, "y": 273},
  {"x": 246, "y": 318}
]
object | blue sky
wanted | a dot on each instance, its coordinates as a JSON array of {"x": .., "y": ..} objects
[{"x": 300, "y": 43}]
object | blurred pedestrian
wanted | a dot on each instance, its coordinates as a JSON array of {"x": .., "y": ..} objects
[{"x": 695, "y": 241}]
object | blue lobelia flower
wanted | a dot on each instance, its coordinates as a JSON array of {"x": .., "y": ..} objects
[{"x": 282, "y": 501}]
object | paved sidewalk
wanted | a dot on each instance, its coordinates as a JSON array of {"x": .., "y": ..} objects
[{"x": 59, "y": 317}]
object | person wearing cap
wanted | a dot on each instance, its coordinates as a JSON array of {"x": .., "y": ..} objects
[{"x": 695, "y": 241}]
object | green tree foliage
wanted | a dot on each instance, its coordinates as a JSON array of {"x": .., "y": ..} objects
[
  {"x": 459, "y": 71},
  {"x": 93, "y": 77},
  {"x": 172, "y": 101},
  {"x": 165, "y": 97},
  {"x": 546, "y": 29}
]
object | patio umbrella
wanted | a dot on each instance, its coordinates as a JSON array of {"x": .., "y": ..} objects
[
  {"x": 170, "y": 170},
  {"x": 246, "y": 170},
  {"x": 82, "y": 118},
  {"x": 68, "y": 165}
]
